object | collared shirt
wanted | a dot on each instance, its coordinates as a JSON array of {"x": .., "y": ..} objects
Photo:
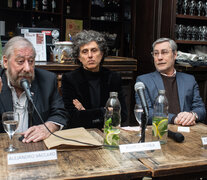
[
  {"x": 173, "y": 74},
  {"x": 20, "y": 106}
]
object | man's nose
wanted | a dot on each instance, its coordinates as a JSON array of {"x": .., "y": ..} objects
[
  {"x": 160, "y": 56},
  {"x": 27, "y": 66}
]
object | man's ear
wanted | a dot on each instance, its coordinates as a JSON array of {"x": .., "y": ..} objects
[
  {"x": 175, "y": 54},
  {"x": 5, "y": 62}
]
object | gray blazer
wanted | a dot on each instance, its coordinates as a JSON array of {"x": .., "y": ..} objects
[
  {"x": 188, "y": 92},
  {"x": 46, "y": 98}
]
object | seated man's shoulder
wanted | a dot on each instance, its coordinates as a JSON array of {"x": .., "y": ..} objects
[
  {"x": 72, "y": 74},
  {"x": 146, "y": 76},
  {"x": 41, "y": 73},
  {"x": 185, "y": 75}
]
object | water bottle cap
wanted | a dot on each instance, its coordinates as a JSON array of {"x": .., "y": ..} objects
[
  {"x": 113, "y": 94},
  {"x": 161, "y": 91}
]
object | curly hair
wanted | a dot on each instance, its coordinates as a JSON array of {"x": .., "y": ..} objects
[{"x": 85, "y": 37}]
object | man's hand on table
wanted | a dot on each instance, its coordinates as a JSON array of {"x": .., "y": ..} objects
[
  {"x": 185, "y": 119},
  {"x": 39, "y": 132}
]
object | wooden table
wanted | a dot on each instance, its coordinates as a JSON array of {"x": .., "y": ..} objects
[
  {"x": 186, "y": 160},
  {"x": 180, "y": 160},
  {"x": 74, "y": 164}
]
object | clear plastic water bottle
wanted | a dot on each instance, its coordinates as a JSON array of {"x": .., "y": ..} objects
[
  {"x": 112, "y": 121},
  {"x": 160, "y": 118}
]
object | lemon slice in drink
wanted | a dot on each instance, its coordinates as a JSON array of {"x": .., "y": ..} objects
[
  {"x": 112, "y": 137},
  {"x": 162, "y": 127},
  {"x": 154, "y": 129}
]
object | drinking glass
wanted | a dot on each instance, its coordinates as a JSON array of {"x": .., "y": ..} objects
[
  {"x": 199, "y": 7},
  {"x": 138, "y": 111},
  {"x": 205, "y": 8},
  {"x": 185, "y": 6},
  {"x": 192, "y": 7},
  {"x": 10, "y": 122},
  {"x": 188, "y": 32}
]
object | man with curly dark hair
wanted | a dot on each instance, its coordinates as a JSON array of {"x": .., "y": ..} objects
[{"x": 86, "y": 89}]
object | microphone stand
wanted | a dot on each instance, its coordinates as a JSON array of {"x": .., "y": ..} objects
[{"x": 144, "y": 120}]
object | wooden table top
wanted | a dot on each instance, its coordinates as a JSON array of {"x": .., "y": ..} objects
[
  {"x": 73, "y": 164},
  {"x": 175, "y": 160},
  {"x": 188, "y": 158}
]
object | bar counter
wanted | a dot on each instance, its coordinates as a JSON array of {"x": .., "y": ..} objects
[{"x": 112, "y": 62}]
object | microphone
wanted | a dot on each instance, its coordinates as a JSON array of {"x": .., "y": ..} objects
[
  {"x": 176, "y": 136},
  {"x": 139, "y": 87},
  {"x": 25, "y": 85}
]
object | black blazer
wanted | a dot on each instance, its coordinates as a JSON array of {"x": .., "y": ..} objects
[
  {"x": 76, "y": 86},
  {"x": 46, "y": 98}
]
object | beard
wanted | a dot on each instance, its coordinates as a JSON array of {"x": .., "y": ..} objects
[{"x": 16, "y": 78}]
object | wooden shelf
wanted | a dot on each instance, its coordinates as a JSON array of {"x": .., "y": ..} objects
[
  {"x": 182, "y": 16},
  {"x": 191, "y": 42},
  {"x": 111, "y": 62}
]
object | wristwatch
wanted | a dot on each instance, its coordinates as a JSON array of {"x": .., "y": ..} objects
[{"x": 195, "y": 114}]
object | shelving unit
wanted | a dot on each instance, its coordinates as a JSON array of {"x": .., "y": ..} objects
[
  {"x": 115, "y": 22},
  {"x": 189, "y": 21},
  {"x": 30, "y": 17}
]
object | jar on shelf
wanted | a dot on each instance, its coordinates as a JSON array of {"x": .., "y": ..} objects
[{"x": 63, "y": 52}]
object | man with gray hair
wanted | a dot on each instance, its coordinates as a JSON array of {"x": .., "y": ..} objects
[
  {"x": 185, "y": 104},
  {"x": 19, "y": 63},
  {"x": 86, "y": 89}
]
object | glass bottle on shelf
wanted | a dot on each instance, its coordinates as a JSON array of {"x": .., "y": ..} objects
[
  {"x": 18, "y": 4},
  {"x": 37, "y": 5},
  {"x": 25, "y": 4},
  {"x": 53, "y": 5},
  {"x": 68, "y": 7},
  {"x": 34, "y": 4},
  {"x": 10, "y": 3},
  {"x": 33, "y": 21},
  {"x": 44, "y": 5}
]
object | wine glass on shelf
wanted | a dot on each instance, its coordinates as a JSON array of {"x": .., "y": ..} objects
[
  {"x": 138, "y": 111},
  {"x": 10, "y": 122},
  {"x": 185, "y": 6},
  {"x": 192, "y": 7},
  {"x": 205, "y": 8},
  {"x": 199, "y": 7}
]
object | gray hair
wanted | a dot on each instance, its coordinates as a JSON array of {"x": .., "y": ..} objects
[
  {"x": 85, "y": 37},
  {"x": 15, "y": 42},
  {"x": 173, "y": 44}
]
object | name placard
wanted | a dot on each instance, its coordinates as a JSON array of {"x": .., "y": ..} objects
[
  {"x": 183, "y": 129},
  {"x": 204, "y": 140},
  {"x": 28, "y": 157},
  {"x": 139, "y": 147}
]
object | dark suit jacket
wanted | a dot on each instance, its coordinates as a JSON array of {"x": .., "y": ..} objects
[
  {"x": 46, "y": 98},
  {"x": 188, "y": 93},
  {"x": 76, "y": 86}
]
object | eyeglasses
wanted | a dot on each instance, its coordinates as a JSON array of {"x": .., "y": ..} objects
[{"x": 163, "y": 52}]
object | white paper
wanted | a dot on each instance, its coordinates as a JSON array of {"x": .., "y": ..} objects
[
  {"x": 131, "y": 128},
  {"x": 183, "y": 129},
  {"x": 39, "y": 42},
  {"x": 28, "y": 157},
  {"x": 204, "y": 140},
  {"x": 147, "y": 146}
]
